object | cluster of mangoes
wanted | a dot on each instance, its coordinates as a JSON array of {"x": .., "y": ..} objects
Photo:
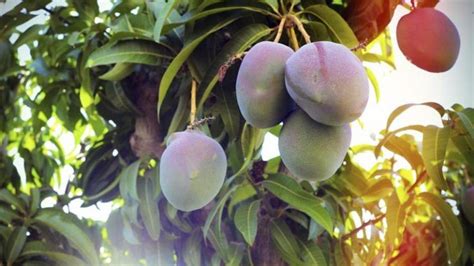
[
  {"x": 316, "y": 92},
  {"x": 429, "y": 39}
]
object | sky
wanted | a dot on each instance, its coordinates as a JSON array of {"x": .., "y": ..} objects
[{"x": 406, "y": 84}]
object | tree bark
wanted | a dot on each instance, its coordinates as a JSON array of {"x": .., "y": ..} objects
[
  {"x": 263, "y": 251},
  {"x": 146, "y": 141}
]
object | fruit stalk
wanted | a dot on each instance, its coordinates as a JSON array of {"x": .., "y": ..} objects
[
  {"x": 280, "y": 29},
  {"x": 192, "y": 115},
  {"x": 301, "y": 29},
  {"x": 294, "y": 40}
]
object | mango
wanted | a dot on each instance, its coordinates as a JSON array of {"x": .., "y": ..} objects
[
  {"x": 328, "y": 82},
  {"x": 429, "y": 39},
  {"x": 260, "y": 87},
  {"x": 468, "y": 205},
  {"x": 311, "y": 150},
  {"x": 192, "y": 170}
]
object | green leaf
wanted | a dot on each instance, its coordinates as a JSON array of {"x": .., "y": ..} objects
[
  {"x": 7, "y": 215},
  {"x": 220, "y": 205},
  {"x": 395, "y": 215},
  {"x": 181, "y": 114},
  {"x": 338, "y": 27},
  {"x": 160, "y": 253},
  {"x": 128, "y": 181},
  {"x": 180, "y": 59},
  {"x": 162, "y": 10},
  {"x": 452, "y": 229},
  {"x": 219, "y": 243},
  {"x": 246, "y": 218},
  {"x": 437, "y": 107},
  {"x": 435, "y": 142},
  {"x": 378, "y": 149},
  {"x": 467, "y": 119},
  {"x": 29, "y": 35},
  {"x": 285, "y": 242},
  {"x": 134, "y": 51},
  {"x": 290, "y": 192},
  {"x": 312, "y": 254},
  {"x": 118, "y": 72},
  {"x": 271, "y": 3},
  {"x": 213, "y": 11},
  {"x": 66, "y": 225},
  {"x": 15, "y": 244},
  {"x": 38, "y": 248},
  {"x": 228, "y": 110},
  {"x": 240, "y": 41},
  {"x": 380, "y": 189},
  {"x": 192, "y": 249},
  {"x": 149, "y": 207},
  {"x": 405, "y": 149},
  {"x": 7, "y": 197},
  {"x": 375, "y": 83},
  {"x": 34, "y": 201}
]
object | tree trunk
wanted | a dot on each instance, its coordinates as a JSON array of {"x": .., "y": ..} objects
[{"x": 263, "y": 251}]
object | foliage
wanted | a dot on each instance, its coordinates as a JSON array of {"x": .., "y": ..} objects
[{"x": 84, "y": 118}]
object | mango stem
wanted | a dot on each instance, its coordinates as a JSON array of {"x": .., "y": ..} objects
[
  {"x": 192, "y": 115},
  {"x": 293, "y": 39},
  {"x": 280, "y": 29},
  {"x": 300, "y": 27}
]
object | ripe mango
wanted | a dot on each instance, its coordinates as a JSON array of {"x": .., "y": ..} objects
[
  {"x": 429, "y": 39},
  {"x": 311, "y": 150},
  {"x": 260, "y": 88},
  {"x": 328, "y": 82},
  {"x": 192, "y": 170}
]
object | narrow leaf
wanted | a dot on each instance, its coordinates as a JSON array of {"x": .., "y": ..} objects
[
  {"x": 338, "y": 27},
  {"x": 245, "y": 220},
  {"x": 66, "y": 225},
  {"x": 220, "y": 204},
  {"x": 312, "y": 254},
  {"x": 133, "y": 51},
  {"x": 453, "y": 232},
  {"x": 180, "y": 59},
  {"x": 289, "y": 191},
  {"x": 467, "y": 118},
  {"x": 285, "y": 242},
  {"x": 437, "y": 107},
  {"x": 162, "y": 10},
  {"x": 149, "y": 207},
  {"x": 7, "y": 215},
  {"x": 435, "y": 142},
  {"x": 7, "y": 197},
  {"x": 375, "y": 83},
  {"x": 118, "y": 72},
  {"x": 38, "y": 248},
  {"x": 128, "y": 181},
  {"x": 15, "y": 244}
]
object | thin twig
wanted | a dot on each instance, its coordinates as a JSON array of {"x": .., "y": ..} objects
[
  {"x": 201, "y": 122},
  {"x": 418, "y": 180},
  {"x": 362, "y": 226},
  {"x": 280, "y": 29}
]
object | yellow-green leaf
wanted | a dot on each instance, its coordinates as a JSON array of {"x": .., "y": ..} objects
[
  {"x": 452, "y": 229},
  {"x": 435, "y": 141}
]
